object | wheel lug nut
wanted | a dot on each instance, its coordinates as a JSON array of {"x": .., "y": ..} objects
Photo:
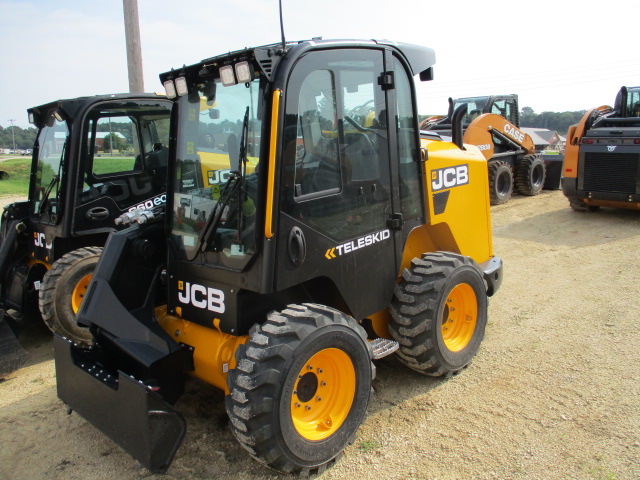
[
  {"x": 308, "y": 407},
  {"x": 297, "y": 405},
  {"x": 318, "y": 399},
  {"x": 324, "y": 384},
  {"x": 319, "y": 370},
  {"x": 310, "y": 367}
]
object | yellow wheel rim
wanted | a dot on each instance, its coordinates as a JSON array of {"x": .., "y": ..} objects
[
  {"x": 323, "y": 394},
  {"x": 78, "y": 293},
  {"x": 459, "y": 317}
]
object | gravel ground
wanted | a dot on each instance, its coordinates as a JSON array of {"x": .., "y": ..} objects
[{"x": 552, "y": 394}]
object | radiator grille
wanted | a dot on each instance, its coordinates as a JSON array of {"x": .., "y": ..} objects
[{"x": 611, "y": 172}]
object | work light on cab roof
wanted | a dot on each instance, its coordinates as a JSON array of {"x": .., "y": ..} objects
[
  {"x": 181, "y": 86},
  {"x": 226, "y": 76},
  {"x": 170, "y": 89}
]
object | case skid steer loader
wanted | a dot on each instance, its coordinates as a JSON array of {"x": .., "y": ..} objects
[
  {"x": 492, "y": 124},
  {"x": 309, "y": 246},
  {"x": 602, "y": 156},
  {"x": 95, "y": 158}
]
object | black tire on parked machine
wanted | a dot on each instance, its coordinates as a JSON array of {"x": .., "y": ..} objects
[
  {"x": 439, "y": 313},
  {"x": 301, "y": 388},
  {"x": 62, "y": 290}
]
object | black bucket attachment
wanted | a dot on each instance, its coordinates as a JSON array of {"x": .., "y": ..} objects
[
  {"x": 12, "y": 355},
  {"x": 126, "y": 410}
]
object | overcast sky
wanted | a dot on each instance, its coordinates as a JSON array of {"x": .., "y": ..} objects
[{"x": 556, "y": 55}]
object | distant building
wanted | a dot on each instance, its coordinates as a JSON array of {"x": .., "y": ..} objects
[{"x": 545, "y": 139}]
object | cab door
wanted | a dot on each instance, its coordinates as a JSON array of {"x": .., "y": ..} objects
[{"x": 341, "y": 226}]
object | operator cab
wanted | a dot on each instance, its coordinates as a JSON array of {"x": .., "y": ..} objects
[{"x": 287, "y": 170}]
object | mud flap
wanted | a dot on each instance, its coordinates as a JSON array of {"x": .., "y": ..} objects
[
  {"x": 12, "y": 355},
  {"x": 123, "y": 408}
]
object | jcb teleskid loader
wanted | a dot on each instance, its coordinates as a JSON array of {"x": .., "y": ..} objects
[
  {"x": 602, "y": 156},
  {"x": 280, "y": 283},
  {"x": 50, "y": 243},
  {"x": 492, "y": 123}
]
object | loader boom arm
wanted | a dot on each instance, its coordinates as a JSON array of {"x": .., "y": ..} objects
[{"x": 482, "y": 129}]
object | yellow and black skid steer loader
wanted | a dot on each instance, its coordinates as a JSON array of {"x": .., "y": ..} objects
[{"x": 301, "y": 242}]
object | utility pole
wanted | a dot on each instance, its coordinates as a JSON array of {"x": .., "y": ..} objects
[
  {"x": 134, "y": 52},
  {"x": 13, "y": 134}
]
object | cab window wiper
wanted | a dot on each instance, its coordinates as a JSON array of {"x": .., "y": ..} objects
[
  {"x": 54, "y": 180},
  {"x": 209, "y": 230},
  {"x": 45, "y": 197}
]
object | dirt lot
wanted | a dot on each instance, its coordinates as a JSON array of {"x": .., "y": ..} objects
[{"x": 553, "y": 393}]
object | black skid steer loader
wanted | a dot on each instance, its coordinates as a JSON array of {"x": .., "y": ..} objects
[
  {"x": 309, "y": 230},
  {"x": 95, "y": 159}
]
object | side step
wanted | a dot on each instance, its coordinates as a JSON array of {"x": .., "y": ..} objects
[
  {"x": 383, "y": 347},
  {"x": 125, "y": 409}
]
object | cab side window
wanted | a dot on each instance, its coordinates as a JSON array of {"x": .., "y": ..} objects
[
  {"x": 317, "y": 168},
  {"x": 336, "y": 151},
  {"x": 409, "y": 169},
  {"x": 125, "y": 153}
]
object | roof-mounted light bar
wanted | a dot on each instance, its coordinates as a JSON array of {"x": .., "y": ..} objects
[{"x": 176, "y": 88}]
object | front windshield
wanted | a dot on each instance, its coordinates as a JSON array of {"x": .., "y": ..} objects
[
  {"x": 211, "y": 176},
  {"x": 475, "y": 106},
  {"x": 51, "y": 144}
]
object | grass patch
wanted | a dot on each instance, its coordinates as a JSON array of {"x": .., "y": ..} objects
[
  {"x": 15, "y": 180},
  {"x": 368, "y": 446},
  {"x": 105, "y": 164}
]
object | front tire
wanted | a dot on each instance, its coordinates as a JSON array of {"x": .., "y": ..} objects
[
  {"x": 439, "y": 313},
  {"x": 62, "y": 290},
  {"x": 301, "y": 388}
]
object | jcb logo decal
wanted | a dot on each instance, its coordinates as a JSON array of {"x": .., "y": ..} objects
[
  {"x": 215, "y": 177},
  {"x": 356, "y": 244},
  {"x": 206, "y": 298},
  {"x": 39, "y": 240},
  {"x": 449, "y": 177}
]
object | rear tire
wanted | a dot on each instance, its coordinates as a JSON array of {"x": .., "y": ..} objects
[
  {"x": 62, "y": 290},
  {"x": 301, "y": 388},
  {"x": 531, "y": 173},
  {"x": 439, "y": 313},
  {"x": 500, "y": 182}
]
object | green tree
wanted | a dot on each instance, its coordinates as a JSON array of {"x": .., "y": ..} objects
[
  {"x": 24, "y": 137},
  {"x": 113, "y": 141},
  {"x": 558, "y": 121}
]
